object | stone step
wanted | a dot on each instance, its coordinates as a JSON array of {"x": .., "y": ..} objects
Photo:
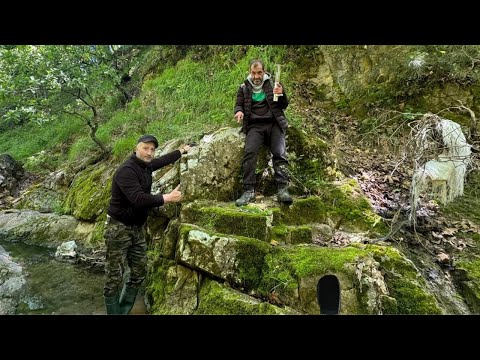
[{"x": 233, "y": 258}]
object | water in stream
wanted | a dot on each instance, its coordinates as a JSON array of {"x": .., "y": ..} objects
[{"x": 50, "y": 286}]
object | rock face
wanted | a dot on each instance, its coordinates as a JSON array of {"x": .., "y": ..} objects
[
  {"x": 211, "y": 170},
  {"x": 10, "y": 173},
  {"x": 11, "y": 283}
]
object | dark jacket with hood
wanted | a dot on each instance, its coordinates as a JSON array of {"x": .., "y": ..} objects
[
  {"x": 131, "y": 187},
  {"x": 244, "y": 104}
]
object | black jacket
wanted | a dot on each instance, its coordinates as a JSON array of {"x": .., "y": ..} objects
[
  {"x": 131, "y": 187},
  {"x": 244, "y": 104}
]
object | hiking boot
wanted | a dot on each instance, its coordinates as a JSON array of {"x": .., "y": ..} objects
[
  {"x": 248, "y": 196},
  {"x": 283, "y": 195}
]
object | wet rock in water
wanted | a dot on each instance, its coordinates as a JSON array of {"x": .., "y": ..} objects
[
  {"x": 11, "y": 283},
  {"x": 67, "y": 251}
]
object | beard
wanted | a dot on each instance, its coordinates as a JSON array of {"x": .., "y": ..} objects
[{"x": 144, "y": 158}]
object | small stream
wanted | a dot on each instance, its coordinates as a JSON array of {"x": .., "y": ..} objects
[{"x": 33, "y": 282}]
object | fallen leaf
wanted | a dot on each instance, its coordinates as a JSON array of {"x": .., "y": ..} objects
[
  {"x": 449, "y": 231},
  {"x": 443, "y": 258}
]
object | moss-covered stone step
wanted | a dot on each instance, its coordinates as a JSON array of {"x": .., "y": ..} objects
[
  {"x": 174, "y": 289},
  {"x": 341, "y": 204},
  {"x": 234, "y": 258},
  {"x": 226, "y": 218},
  {"x": 292, "y": 234},
  {"x": 218, "y": 299}
]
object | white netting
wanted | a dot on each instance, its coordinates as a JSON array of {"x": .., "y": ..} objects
[{"x": 444, "y": 176}]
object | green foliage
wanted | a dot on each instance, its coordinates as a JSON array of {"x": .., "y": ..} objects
[
  {"x": 81, "y": 148},
  {"x": 26, "y": 143},
  {"x": 125, "y": 145},
  {"x": 40, "y": 83}
]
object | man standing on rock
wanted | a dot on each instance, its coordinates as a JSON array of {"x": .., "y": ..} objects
[
  {"x": 264, "y": 122},
  {"x": 127, "y": 213}
]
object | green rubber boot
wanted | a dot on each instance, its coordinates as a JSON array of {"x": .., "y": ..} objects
[
  {"x": 112, "y": 304},
  {"x": 127, "y": 299}
]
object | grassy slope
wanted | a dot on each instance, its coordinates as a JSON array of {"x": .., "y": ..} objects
[{"x": 187, "y": 100}]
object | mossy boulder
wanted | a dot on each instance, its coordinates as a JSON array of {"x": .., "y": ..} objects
[
  {"x": 341, "y": 204},
  {"x": 346, "y": 205},
  {"x": 47, "y": 230},
  {"x": 42, "y": 200},
  {"x": 90, "y": 193},
  {"x": 165, "y": 241}
]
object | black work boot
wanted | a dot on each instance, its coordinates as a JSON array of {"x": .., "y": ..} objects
[
  {"x": 248, "y": 196},
  {"x": 127, "y": 299},
  {"x": 283, "y": 195},
  {"x": 112, "y": 304}
]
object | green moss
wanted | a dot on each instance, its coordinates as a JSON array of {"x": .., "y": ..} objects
[
  {"x": 157, "y": 287},
  {"x": 217, "y": 299},
  {"x": 413, "y": 299},
  {"x": 276, "y": 215},
  {"x": 304, "y": 211},
  {"x": 249, "y": 221},
  {"x": 352, "y": 209},
  {"x": 292, "y": 234},
  {"x": 90, "y": 193},
  {"x": 251, "y": 260},
  {"x": 285, "y": 266},
  {"x": 306, "y": 156},
  {"x": 300, "y": 234},
  {"x": 404, "y": 282},
  {"x": 279, "y": 233},
  {"x": 97, "y": 238},
  {"x": 343, "y": 203},
  {"x": 471, "y": 283},
  {"x": 309, "y": 260}
]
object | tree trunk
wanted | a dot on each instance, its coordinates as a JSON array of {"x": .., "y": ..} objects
[{"x": 93, "y": 125}]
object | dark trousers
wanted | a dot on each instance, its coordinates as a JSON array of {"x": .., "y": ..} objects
[
  {"x": 271, "y": 135},
  {"x": 125, "y": 245}
]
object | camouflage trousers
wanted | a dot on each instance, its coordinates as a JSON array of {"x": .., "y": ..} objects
[{"x": 126, "y": 245}]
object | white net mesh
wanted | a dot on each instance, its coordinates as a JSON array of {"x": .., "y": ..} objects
[{"x": 442, "y": 178}]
